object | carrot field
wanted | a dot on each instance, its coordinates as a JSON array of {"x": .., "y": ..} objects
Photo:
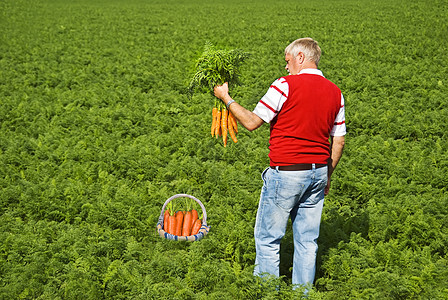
[{"x": 98, "y": 130}]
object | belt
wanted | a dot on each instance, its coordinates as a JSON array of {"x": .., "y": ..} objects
[{"x": 298, "y": 167}]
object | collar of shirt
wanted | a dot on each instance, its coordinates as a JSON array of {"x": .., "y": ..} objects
[{"x": 311, "y": 71}]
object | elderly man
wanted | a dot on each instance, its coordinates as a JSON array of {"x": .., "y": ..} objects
[{"x": 307, "y": 128}]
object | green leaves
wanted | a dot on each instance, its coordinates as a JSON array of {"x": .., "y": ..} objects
[
  {"x": 216, "y": 67},
  {"x": 97, "y": 131}
]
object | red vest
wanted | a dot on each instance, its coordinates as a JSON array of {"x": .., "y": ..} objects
[{"x": 301, "y": 130}]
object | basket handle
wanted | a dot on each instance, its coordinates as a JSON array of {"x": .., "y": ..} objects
[{"x": 204, "y": 213}]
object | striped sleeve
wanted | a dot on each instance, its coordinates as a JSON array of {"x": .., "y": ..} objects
[
  {"x": 339, "y": 128},
  {"x": 271, "y": 103}
]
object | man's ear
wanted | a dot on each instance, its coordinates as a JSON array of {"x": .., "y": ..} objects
[{"x": 301, "y": 57}]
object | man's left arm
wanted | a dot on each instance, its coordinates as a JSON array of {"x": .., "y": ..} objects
[{"x": 336, "y": 149}]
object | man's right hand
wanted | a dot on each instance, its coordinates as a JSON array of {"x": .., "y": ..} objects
[{"x": 222, "y": 91}]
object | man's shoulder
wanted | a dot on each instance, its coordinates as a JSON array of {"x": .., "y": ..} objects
[
  {"x": 310, "y": 81},
  {"x": 279, "y": 82},
  {"x": 282, "y": 79}
]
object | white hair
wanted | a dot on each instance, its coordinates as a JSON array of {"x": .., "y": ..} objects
[{"x": 309, "y": 47}]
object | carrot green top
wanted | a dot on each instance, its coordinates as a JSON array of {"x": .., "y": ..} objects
[{"x": 216, "y": 67}]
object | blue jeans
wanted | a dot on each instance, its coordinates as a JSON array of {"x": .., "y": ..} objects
[{"x": 295, "y": 194}]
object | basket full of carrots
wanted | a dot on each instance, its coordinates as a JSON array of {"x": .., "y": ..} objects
[{"x": 182, "y": 224}]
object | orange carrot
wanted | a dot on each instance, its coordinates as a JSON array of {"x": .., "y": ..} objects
[
  {"x": 179, "y": 220},
  {"x": 224, "y": 126},
  {"x": 233, "y": 121},
  {"x": 232, "y": 133},
  {"x": 166, "y": 214},
  {"x": 214, "y": 115},
  {"x": 218, "y": 124},
  {"x": 196, "y": 226},
  {"x": 194, "y": 214},
  {"x": 171, "y": 228},
  {"x": 186, "y": 228}
]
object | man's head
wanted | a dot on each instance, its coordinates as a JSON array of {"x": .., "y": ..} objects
[{"x": 302, "y": 53}]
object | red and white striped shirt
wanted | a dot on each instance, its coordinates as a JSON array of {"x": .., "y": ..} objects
[{"x": 303, "y": 110}]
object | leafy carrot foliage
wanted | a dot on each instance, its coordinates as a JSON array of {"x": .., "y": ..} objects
[
  {"x": 215, "y": 67},
  {"x": 97, "y": 131}
]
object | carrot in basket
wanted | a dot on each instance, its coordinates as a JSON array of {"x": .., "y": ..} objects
[
  {"x": 166, "y": 214},
  {"x": 214, "y": 118},
  {"x": 194, "y": 214},
  {"x": 179, "y": 220},
  {"x": 196, "y": 226},
  {"x": 188, "y": 221},
  {"x": 171, "y": 224},
  {"x": 224, "y": 126}
]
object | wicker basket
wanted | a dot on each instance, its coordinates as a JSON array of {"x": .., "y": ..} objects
[{"x": 202, "y": 232}]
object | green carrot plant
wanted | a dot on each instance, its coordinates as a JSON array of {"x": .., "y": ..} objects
[{"x": 92, "y": 142}]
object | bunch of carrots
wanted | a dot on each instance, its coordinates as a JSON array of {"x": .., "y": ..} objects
[
  {"x": 181, "y": 222},
  {"x": 223, "y": 122}
]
